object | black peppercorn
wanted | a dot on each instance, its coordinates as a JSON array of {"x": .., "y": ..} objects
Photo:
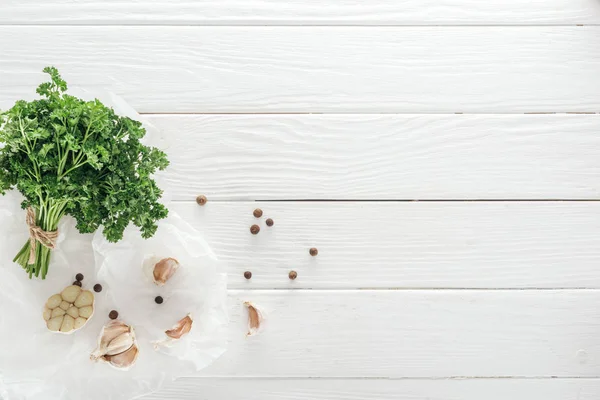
[
  {"x": 258, "y": 213},
  {"x": 293, "y": 275},
  {"x": 158, "y": 299},
  {"x": 79, "y": 277},
  {"x": 77, "y": 283},
  {"x": 113, "y": 314},
  {"x": 269, "y": 222},
  {"x": 254, "y": 229},
  {"x": 201, "y": 200},
  {"x": 247, "y": 274},
  {"x": 97, "y": 288},
  {"x": 313, "y": 252}
]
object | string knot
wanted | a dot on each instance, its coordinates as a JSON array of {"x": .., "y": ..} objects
[{"x": 37, "y": 234}]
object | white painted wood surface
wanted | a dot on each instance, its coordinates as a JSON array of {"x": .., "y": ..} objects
[
  {"x": 414, "y": 334},
  {"x": 405, "y": 244},
  {"x": 381, "y": 389},
  {"x": 300, "y": 12},
  {"x": 316, "y": 69},
  {"x": 270, "y": 157},
  {"x": 474, "y": 299}
]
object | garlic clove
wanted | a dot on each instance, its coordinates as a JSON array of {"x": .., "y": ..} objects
[
  {"x": 74, "y": 312},
  {"x": 113, "y": 329},
  {"x": 54, "y": 301},
  {"x": 123, "y": 360},
  {"x": 164, "y": 270},
  {"x": 79, "y": 322},
  {"x": 47, "y": 314},
  {"x": 57, "y": 312},
  {"x": 183, "y": 327},
  {"x": 70, "y": 294},
  {"x": 255, "y": 318},
  {"x": 180, "y": 329},
  {"x": 55, "y": 323},
  {"x": 68, "y": 324},
  {"x": 85, "y": 298},
  {"x": 86, "y": 311},
  {"x": 120, "y": 344},
  {"x": 64, "y": 305}
]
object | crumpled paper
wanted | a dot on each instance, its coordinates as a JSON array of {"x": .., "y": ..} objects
[{"x": 36, "y": 364}]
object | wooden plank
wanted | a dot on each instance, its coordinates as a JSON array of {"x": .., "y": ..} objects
[
  {"x": 405, "y": 245},
  {"x": 296, "y": 12},
  {"x": 415, "y": 334},
  {"x": 233, "y": 157},
  {"x": 380, "y": 389},
  {"x": 315, "y": 69}
]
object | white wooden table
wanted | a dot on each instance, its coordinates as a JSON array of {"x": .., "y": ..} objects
[{"x": 334, "y": 118}]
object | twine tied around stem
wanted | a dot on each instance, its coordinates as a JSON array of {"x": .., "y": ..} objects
[{"x": 37, "y": 234}]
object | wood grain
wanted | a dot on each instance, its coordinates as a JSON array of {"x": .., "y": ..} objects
[
  {"x": 381, "y": 389},
  {"x": 315, "y": 69},
  {"x": 405, "y": 245},
  {"x": 271, "y": 157},
  {"x": 296, "y": 12},
  {"x": 407, "y": 334}
]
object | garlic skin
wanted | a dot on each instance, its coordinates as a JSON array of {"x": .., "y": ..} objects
[
  {"x": 164, "y": 270},
  {"x": 255, "y": 318},
  {"x": 180, "y": 329},
  {"x": 117, "y": 345}
]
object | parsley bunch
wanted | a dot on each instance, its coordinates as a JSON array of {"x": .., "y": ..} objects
[{"x": 76, "y": 157}]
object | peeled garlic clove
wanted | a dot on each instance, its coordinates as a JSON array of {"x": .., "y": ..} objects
[
  {"x": 85, "y": 298},
  {"x": 57, "y": 312},
  {"x": 55, "y": 323},
  {"x": 255, "y": 318},
  {"x": 70, "y": 293},
  {"x": 183, "y": 327},
  {"x": 47, "y": 314},
  {"x": 67, "y": 324},
  {"x": 74, "y": 312},
  {"x": 54, "y": 301},
  {"x": 79, "y": 322},
  {"x": 164, "y": 270},
  {"x": 64, "y": 305},
  {"x": 124, "y": 360},
  {"x": 86, "y": 312}
]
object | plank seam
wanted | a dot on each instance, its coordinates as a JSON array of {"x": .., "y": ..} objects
[
  {"x": 385, "y": 378},
  {"x": 395, "y": 201},
  {"x": 420, "y": 289},
  {"x": 370, "y": 113},
  {"x": 567, "y": 289},
  {"x": 329, "y": 24}
]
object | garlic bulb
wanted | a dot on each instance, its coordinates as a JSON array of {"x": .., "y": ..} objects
[
  {"x": 117, "y": 345},
  {"x": 255, "y": 318},
  {"x": 164, "y": 270},
  {"x": 69, "y": 311},
  {"x": 180, "y": 329}
]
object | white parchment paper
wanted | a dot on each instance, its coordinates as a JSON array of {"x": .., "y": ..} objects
[{"x": 38, "y": 364}]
